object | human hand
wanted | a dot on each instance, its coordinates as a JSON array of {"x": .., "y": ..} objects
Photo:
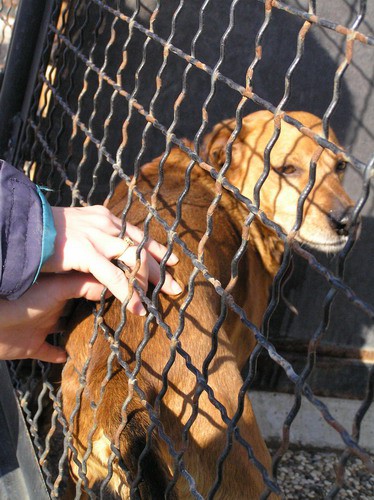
[
  {"x": 26, "y": 322},
  {"x": 87, "y": 240}
]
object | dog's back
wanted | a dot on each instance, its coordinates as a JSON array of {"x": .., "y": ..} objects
[{"x": 193, "y": 315}]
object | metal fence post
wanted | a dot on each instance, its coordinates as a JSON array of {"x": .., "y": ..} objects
[{"x": 18, "y": 66}]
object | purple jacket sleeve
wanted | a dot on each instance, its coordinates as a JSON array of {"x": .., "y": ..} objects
[{"x": 21, "y": 227}]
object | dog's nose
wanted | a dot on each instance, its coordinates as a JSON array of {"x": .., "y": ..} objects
[{"x": 341, "y": 221}]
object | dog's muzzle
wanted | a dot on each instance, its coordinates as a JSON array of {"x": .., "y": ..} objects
[{"x": 341, "y": 222}]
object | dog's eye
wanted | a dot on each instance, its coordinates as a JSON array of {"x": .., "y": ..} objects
[
  {"x": 340, "y": 167},
  {"x": 285, "y": 169}
]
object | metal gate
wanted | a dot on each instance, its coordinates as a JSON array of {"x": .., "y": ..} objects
[{"x": 105, "y": 86}]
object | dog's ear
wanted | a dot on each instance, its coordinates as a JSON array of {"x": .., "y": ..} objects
[
  {"x": 217, "y": 153},
  {"x": 215, "y": 146}
]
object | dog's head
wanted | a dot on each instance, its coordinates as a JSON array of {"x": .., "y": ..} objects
[{"x": 326, "y": 212}]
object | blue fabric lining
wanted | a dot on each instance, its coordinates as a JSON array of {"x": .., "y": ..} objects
[{"x": 49, "y": 232}]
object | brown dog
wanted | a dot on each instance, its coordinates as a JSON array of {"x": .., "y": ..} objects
[{"x": 97, "y": 414}]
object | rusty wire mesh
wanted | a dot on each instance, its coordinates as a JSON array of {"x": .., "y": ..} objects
[{"x": 79, "y": 141}]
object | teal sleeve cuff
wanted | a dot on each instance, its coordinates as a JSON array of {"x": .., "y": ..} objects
[{"x": 49, "y": 231}]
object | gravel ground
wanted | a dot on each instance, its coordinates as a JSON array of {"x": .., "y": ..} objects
[{"x": 304, "y": 474}]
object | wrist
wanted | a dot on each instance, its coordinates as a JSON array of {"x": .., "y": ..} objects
[{"x": 49, "y": 231}]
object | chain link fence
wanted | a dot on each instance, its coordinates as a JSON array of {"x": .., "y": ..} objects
[{"x": 112, "y": 85}]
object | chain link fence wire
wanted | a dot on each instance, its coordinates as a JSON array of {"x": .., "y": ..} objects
[{"x": 102, "y": 105}]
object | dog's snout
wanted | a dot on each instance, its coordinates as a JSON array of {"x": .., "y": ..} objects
[{"x": 341, "y": 221}]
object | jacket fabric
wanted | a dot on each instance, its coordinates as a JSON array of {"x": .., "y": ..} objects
[{"x": 27, "y": 232}]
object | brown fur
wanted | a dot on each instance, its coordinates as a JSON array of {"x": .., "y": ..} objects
[{"x": 207, "y": 435}]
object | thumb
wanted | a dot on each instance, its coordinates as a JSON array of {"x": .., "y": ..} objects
[
  {"x": 77, "y": 285},
  {"x": 50, "y": 354}
]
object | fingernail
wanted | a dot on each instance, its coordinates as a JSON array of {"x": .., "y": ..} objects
[
  {"x": 176, "y": 288},
  {"x": 172, "y": 260},
  {"x": 61, "y": 357},
  {"x": 142, "y": 311}
]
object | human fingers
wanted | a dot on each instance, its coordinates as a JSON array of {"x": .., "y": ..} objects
[
  {"x": 170, "y": 286},
  {"x": 79, "y": 228},
  {"x": 102, "y": 215},
  {"x": 157, "y": 250},
  {"x": 72, "y": 255},
  {"x": 109, "y": 246},
  {"x": 114, "y": 279},
  {"x": 149, "y": 267},
  {"x": 149, "y": 270},
  {"x": 129, "y": 257},
  {"x": 50, "y": 354},
  {"x": 77, "y": 285}
]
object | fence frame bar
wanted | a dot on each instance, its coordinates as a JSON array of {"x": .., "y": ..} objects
[{"x": 23, "y": 50}]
